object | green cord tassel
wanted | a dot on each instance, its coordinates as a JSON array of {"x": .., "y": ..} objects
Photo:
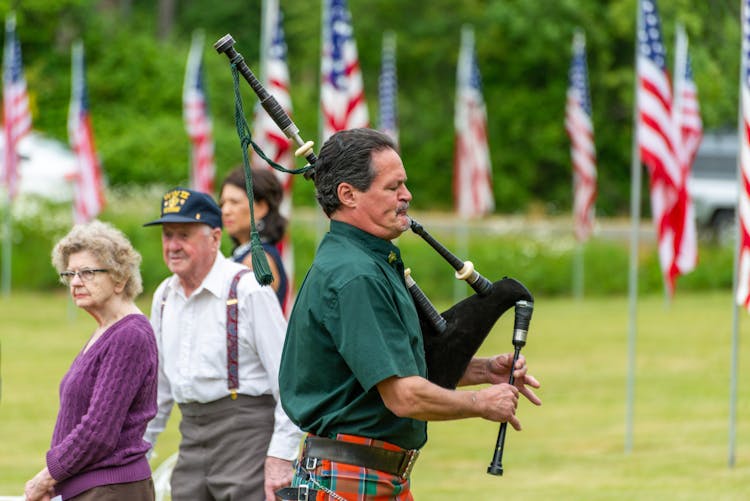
[{"x": 260, "y": 262}]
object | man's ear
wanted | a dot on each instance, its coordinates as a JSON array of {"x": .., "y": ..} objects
[
  {"x": 216, "y": 236},
  {"x": 347, "y": 195}
]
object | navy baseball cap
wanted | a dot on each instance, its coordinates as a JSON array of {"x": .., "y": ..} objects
[{"x": 181, "y": 205}]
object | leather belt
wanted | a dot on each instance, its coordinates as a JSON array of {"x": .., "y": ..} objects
[
  {"x": 399, "y": 463},
  {"x": 301, "y": 493}
]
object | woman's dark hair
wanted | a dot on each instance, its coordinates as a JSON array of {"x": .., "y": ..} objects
[
  {"x": 266, "y": 186},
  {"x": 346, "y": 157}
]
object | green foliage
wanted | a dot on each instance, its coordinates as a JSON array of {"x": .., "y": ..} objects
[
  {"x": 135, "y": 83},
  {"x": 543, "y": 262}
]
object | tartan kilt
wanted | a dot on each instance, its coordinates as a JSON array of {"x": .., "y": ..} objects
[{"x": 354, "y": 483}]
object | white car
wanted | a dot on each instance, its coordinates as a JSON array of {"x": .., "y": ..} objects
[
  {"x": 713, "y": 186},
  {"x": 46, "y": 167}
]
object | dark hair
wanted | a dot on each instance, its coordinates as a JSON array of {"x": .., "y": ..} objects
[
  {"x": 346, "y": 157},
  {"x": 266, "y": 186}
]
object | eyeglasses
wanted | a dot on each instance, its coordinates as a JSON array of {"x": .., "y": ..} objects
[{"x": 85, "y": 275}]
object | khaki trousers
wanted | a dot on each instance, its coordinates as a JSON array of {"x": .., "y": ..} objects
[{"x": 223, "y": 449}]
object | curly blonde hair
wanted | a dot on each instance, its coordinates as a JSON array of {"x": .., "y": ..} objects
[{"x": 109, "y": 246}]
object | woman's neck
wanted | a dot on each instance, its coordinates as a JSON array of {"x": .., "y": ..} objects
[{"x": 113, "y": 311}]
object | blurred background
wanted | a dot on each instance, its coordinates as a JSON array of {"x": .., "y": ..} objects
[{"x": 136, "y": 54}]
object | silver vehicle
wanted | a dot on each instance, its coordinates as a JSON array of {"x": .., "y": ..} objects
[{"x": 713, "y": 186}]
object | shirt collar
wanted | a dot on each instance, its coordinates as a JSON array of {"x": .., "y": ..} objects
[
  {"x": 379, "y": 247},
  {"x": 213, "y": 282}
]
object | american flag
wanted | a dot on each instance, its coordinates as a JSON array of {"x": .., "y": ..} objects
[
  {"x": 88, "y": 198},
  {"x": 658, "y": 140},
  {"x": 16, "y": 112},
  {"x": 197, "y": 120},
  {"x": 689, "y": 126},
  {"x": 388, "y": 88},
  {"x": 743, "y": 204},
  {"x": 274, "y": 74},
  {"x": 687, "y": 109},
  {"x": 342, "y": 95},
  {"x": 580, "y": 128},
  {"x": 472, "y": 171}
]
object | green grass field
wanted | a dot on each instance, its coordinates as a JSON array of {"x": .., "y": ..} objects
[{"x": 571, "y": 448}]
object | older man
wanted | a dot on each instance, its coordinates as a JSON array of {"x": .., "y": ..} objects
[
  {"x": 353, "y": 372},
  {"x": 220, "y": 336}
]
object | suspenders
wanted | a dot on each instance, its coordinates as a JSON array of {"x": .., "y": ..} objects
[{"x": 233, "y": 380}]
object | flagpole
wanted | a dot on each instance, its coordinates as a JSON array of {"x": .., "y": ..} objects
[
  {"x": 265, "y": 12},
  {"x": 580, "y": 129},
  {"x": 578, "y": 257},
  {"x": 635, "y": 216},
  {"x": 735, "y": 266},
  {"x": 462, "y": 248},
  {"x": 734, "y": 355},
  {"x": 194, "y": 55},
  {"x": 7, "y": 248},
  {"x": 578, "y": 272}
]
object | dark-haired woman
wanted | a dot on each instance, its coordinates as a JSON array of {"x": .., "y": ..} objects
[{"x": 271, "y": 225}]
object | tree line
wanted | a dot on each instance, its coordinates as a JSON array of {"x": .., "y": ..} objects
[{"x": 136, "y": 52}]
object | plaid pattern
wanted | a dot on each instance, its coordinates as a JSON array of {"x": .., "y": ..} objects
[{"x": 354, "y": 483}]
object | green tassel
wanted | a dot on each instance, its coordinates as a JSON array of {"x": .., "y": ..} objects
[{"x": 260, "y": 262}]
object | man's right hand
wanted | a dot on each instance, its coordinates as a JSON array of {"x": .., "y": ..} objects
[{"x": 498, "y": 403}]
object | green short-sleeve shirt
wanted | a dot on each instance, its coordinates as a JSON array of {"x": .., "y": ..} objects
[{"x": 353, "y": 325}]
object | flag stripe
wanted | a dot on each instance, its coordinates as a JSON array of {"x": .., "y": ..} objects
[
  {"x": 472, "y": 169},
  {"x": 580, "y": 129},
  {"x": 198, "y": 120},
  {"x": 275, "y": 76},
  {"x": 88, "y": 191},
  {"x": 16, "y": 111},
  {"x": 743, "y": 203},
  {"x": 342, "y": 97},
  {"x": 689, "y": 127},
  {"x": 661, "y": 148}
]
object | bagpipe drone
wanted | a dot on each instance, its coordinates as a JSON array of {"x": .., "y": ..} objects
[{"x": 451, "y": 338}]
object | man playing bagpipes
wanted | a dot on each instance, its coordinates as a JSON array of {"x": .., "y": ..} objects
[{"x": 353, "y": 372}]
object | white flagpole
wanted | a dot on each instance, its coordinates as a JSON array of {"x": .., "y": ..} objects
[
  {"x": 735, "y": 267},
  {"x": 635, "y": 216},
  {"x": 578, "y": 269},
  {"x": 7, "y": 247},
  {"x": 267, "y": 9},
  {"x": 461, "y": 229}
]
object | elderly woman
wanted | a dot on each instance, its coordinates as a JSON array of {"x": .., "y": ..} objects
[
  {"x": 108, "y": 395},
  {"x": 235, "y": 216}
]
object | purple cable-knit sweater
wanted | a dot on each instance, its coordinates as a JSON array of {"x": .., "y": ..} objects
[{"x": 107, "y": 398}]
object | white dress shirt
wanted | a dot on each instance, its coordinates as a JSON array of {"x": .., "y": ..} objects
[{"x": 191, "y": 335}]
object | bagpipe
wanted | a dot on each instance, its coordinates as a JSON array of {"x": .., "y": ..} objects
[{"x": 451, "y": 338}]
